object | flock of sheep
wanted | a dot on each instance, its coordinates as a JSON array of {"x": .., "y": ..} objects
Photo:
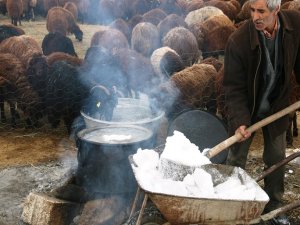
[{"x": 167, "y": 49}]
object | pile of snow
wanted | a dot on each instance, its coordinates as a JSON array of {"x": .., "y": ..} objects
[
  {"x": 151, "y": 175},
  {"x": 179, "y": 149}
]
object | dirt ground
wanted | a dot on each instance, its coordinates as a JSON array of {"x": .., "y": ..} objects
[{"x": 43, "y": 159}]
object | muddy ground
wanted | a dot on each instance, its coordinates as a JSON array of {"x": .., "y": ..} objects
[{"x": 43, "y": 159}]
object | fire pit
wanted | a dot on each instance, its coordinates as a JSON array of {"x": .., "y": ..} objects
[{"x": 129, "y": 111}]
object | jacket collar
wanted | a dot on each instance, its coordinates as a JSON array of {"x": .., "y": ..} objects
[{"x": 285, "y": 23}]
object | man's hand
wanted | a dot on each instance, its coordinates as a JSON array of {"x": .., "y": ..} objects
[{"x": 245, "y": 134}]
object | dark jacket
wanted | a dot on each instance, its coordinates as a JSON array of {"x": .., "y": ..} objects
[{"x": 243, "y": 65}]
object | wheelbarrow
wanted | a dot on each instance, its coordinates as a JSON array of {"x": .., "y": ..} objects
[
  {"x": 172, "y": 209},
  {"x": 169, "y": 209}
]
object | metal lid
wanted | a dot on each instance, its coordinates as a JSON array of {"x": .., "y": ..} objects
[{"x": 115, "y": 135}]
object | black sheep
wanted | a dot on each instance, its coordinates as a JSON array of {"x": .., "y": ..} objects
[
  {"x": 65, "y": 94},
  {"x": 57, "y": 42},
  {"x": 65, "y": 90},
  {"x": 9, "y": 30}
]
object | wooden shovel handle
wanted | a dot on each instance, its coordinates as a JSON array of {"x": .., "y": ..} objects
[{"x": 235, "y": 138}]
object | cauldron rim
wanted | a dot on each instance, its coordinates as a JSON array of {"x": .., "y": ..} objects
[
  {"x": 148, "y": 136},
  {"x": 141, "y": 122}
]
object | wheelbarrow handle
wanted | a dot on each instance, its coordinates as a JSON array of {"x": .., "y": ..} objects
[
  {"x": 276, "y": 212},
  {"x": 276, "y": 166},
  {"x": 237, "y": 137}
]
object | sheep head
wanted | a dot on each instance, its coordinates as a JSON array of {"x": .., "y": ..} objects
[{"x": 101, "y": 102}]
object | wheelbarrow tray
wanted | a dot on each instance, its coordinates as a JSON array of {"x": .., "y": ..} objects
[
  {"x": 194, "y": 210},
  {"x": 186, "y": 210}
]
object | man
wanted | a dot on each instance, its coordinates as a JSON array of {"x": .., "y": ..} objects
[{"x": 260, "y": 58}]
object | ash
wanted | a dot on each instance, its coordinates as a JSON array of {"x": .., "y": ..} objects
[{"x": 17, "y": 182}]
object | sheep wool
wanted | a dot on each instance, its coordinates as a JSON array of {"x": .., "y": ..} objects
[
  {"x": 15, "y": 11},
  {"x": 109, "y": 38},
  {"x": 184, "y": 43},
  {"x": 170, "y": 22},
  {"x": 165, "y": 62},
  {"x": 62, "y": 20},
  {"x": 24, "y": 47},
  {"x": 62, "y": 56},
  {"x": 202, "y": 14},
  {"x": 196, "y": 84},
  {"x": 145, "y": 38}
]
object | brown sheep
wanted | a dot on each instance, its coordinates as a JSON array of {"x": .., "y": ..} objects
[
  {"x": 285, "y": 1},
  {"x": 212, "y": 34},
  {"x": 83, "y": 9},
  {"x": 194, "y": 5},
  {"x": 227, "y": 8},
  {"x": 292, "y": 5},
  {"x": 215, "y": 40},
  {"x": 122, "y": 26},
  {"x": 109, "y": 10},
  {"x": 17, "y": 89},
  {"x": 236, "y": 4},
  {"x": 170, "y": 22},
  {"x": 71, "y": 6},
  {"x": 15, "y": 11},
  {"x": 28, "y": 9},
  {"x": 61, "y": 56},
  {"x": 157, "y": 13},
  {"x": 145, "y": 38},
  {"x": 171, "y": 7},
  {"x": 24, "y": 47},
  {"x": 215, "y": 21},
  {"x": 134, "y": 21},
  {"x": 62, "y": 21},
  {"x": 202, "y": 14},
  {"x": 109, "y": 38},
  {"x": 48, "y": 4},
  {"x": 184, "y": 43},
  {"x": 143, "y": 6},
  {"x": 244, "y": 13},
  {"x": 191, "y": 88},
  {"x": 137, "y": 70},
  {"x": 216, "y": 63}
]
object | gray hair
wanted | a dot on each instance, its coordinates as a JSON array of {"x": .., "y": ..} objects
[{"x": 271, "y": 4}]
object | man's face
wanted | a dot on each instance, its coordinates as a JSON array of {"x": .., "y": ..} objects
[{"x": 261, "y": 15}]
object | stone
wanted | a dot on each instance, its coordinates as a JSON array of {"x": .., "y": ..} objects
[
  {"x": 41, "y": 209},
  {"x": 113, "y": 210}
]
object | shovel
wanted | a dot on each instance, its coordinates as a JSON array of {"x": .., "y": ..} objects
[{"x": 237, "y": 137}]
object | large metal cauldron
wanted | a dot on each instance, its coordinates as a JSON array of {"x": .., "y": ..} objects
[{"x": 103, "y": 165}]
